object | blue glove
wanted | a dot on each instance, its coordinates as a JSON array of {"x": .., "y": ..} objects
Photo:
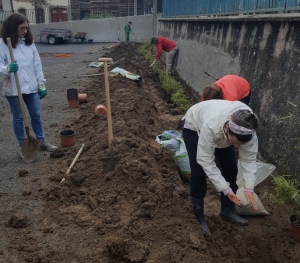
[
  {"x": 13, "y": 67},
  {"x": 42, "y": 91}
]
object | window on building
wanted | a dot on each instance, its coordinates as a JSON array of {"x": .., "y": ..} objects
[{"x": 22, "y": 11}]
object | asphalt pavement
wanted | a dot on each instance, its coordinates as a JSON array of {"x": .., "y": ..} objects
[{"x": 69, "y": 47}]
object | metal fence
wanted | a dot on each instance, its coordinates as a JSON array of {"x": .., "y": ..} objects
[
  {"x": 182, "y": 8},
  {"x": 84, "y": 11},
  {"x": 97, "y": 9}
]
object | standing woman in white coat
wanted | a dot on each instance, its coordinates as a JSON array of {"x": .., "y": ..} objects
[
  {"x": 211, "y": 130},
  {"x": 29, "y": 69}
]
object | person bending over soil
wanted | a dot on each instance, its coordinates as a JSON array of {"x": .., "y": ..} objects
[
  {"x": 213, "y": 129},
  {"x": 230, "y": 87}
]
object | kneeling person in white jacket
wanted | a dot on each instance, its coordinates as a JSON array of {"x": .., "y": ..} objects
[{"x": 212, "y": 129}]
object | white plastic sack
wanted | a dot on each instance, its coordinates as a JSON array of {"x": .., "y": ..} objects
[
  {"x": 182, "y": 160},
  {"x": 124, "y": 73},
  {"x": 246, "y": 209},
  {"x": 263, "y": 171},
  {"x": 171, "y": 145},
  {"x": 173, "y": 142}
]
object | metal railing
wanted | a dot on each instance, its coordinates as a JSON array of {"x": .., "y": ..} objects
[
  {"x": 183, "y": 8},
  {"x": 3, "y": 15},
  {"x": 83, "y": 11}
]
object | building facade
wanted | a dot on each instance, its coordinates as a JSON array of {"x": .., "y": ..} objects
[{"x": 55, "y": 11}]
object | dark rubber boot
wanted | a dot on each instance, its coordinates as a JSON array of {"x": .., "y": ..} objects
[
  {"x": 198, "y": 207},
  {"x": 228, "y": 213},
  {"x": 233, "y": 217}
]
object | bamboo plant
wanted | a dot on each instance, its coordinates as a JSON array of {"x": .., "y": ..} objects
[{"x": 286, "y": 192}]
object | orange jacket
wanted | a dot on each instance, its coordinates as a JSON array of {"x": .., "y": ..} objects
[{"x": 234, "y": 87}]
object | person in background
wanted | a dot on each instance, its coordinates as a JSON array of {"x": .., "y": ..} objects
[
  {"x": 212, "y": 129},
  {"x": 127, "y": 29},
  {"x": 167, "y": 45},
  {"x": 230, "y": 87},
  {"x": 32, "y": 82}
]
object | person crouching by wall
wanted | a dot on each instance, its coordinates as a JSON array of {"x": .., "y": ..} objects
[
  {"x": 167, "y": 45},
  {"x": 212, "y": 130},
  {"x": 230, "y": 87}
]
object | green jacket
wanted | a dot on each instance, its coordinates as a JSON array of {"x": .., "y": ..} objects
[{"x": 127, "y": 29}]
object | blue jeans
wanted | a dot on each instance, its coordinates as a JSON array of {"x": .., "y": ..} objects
[
  {"x": 226, "y": 161},
  {"x": 32, "y": 102}
]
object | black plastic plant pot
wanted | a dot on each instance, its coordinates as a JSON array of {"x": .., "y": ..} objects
[{"x": 72, "y": 94}]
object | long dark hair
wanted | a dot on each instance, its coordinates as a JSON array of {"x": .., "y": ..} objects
[
  {"x": 10, "y": 29},
  {"x": 212, "y": 92},
  {"x": 246, "y": 119}
]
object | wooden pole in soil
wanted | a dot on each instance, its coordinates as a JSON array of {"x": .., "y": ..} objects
[{"x": 108, "y": 108}]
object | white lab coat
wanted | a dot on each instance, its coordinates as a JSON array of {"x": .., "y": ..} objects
[
  {"x": 208, "y": 119},
  {"x": 30, "y": 68}
]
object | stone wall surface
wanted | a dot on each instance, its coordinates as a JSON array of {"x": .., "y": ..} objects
[{"x": 265, "y": 51}]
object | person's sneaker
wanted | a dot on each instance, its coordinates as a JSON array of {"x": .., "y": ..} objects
[{"x": 46, "y": 146}]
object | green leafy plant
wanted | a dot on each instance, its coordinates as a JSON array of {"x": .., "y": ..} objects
[
  {"x": 172, "y": 87},
  {"x": 286, "y": 192}
]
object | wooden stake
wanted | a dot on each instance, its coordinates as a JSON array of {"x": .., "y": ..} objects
[
  {"x": 73, "y": 162},
  {"x": 99, "y": 74},
  {"x": 108, "y": 107}
]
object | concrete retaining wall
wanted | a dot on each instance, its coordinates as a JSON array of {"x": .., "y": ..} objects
[
  {"x": 264, "y": 50},
  {"x": 104, "y": 30}
]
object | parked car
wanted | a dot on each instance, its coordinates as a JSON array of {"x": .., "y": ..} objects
[{"x": 54, "y": 35}]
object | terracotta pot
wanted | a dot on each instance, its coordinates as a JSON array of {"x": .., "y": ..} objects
[
  {"x": 67, "y": 138},
  {"x": 295, "y": 229},
  {"x": 82, "y": 97},
  {"x": 100, "y": 110},
  {"x": 73, "y": 103}
]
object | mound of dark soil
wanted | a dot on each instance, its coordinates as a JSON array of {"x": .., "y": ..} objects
[{"x": 127, "y": 203}]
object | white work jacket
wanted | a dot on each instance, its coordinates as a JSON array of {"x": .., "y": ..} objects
[
  {"x": 30, "y": 68},
  {"x": 208, "y": 119}
]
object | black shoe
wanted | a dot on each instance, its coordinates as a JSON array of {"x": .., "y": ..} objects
[{"x": 233, "y": 217}]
